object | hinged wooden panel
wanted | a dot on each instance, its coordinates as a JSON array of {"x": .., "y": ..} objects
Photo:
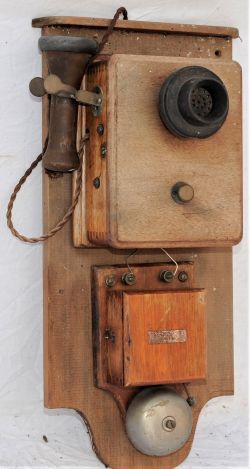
[{"x": 164, "y": 337}]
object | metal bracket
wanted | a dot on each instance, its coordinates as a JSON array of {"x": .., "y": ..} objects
[{"x": 53, "y": 85}]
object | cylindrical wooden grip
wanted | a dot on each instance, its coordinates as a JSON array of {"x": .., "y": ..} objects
[
  {"x": 61, "y": 154},
  {"x": 66, "y": 58}
]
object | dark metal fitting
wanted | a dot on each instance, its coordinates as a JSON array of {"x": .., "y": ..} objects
[
  {"x": 191, "y": 401},
  {"x": 110, "y": 281},
  {"x": 97, "y": 107},
  {"x": 53, "y": 85},
  {"x": 103, "y": 150},
  {"x": 169, "y": 424},
  {"x": 100, "y": 129},
  {"x": 166, "y": 276},
  {"x": 109, "y": 335},
  {"x": 128, "y": 278},
  {"x": 96, "y": 183},
  {"x": 183, "y": 276}
]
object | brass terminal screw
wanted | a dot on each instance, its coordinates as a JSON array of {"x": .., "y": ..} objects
[
  {"x": 183, "y": 276},
  {"x": 166, "y": 276},
  {"x": 110, "y": 281},
  {"x": 128, "y": 278}
]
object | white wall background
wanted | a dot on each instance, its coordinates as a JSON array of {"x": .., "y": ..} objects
[{"x": 221, "y": 436}]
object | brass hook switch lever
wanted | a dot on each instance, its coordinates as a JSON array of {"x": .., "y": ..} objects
[{"x": 53, "y": 85}]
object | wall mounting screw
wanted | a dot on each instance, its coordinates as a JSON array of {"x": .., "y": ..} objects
[
  {"x": 100, "y": 129},
  {"x": 183, "y": 276},
  {"x": 103, "y": 150},
  {"x": 110, "y": 280},
  {"x": 96, "y": 183},
  {"x": 128, "y": 278},
  {"x": 166, "y": 276}
]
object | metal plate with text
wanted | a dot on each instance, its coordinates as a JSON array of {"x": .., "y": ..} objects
[{"x": 167, "y": 337}]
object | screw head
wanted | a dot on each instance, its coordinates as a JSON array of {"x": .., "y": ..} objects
[
  {"x": 191, "y": 401},
  {"x": 166, "y": 276},
  {"x": 110, "y": 280},
  {"x": 183, "y": 276},
  {"x": 103, "y": 150},
  {"x": 96, "y": 183},
  {"x": 100, "y": 129},
  {"x": 128, "y": 278},
  {"x": 109, "y": 335},
  {"x": 169, "y": 424},
  {"x": 95, "y": 110}
]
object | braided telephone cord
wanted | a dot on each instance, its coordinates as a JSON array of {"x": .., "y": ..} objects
[
  {"x": 33, "y": 165},
  {"x": 69, "y": 212}
]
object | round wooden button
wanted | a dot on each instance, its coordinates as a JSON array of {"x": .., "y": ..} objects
[
  {"x": 182, "y": 193},
  {"x": 186, "y": 193}
]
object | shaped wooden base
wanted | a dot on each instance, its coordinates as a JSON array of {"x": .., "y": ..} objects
[{"x": 68, "y": 346}]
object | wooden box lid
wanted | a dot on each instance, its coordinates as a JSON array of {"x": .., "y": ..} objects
[
  {"x": 164, "y": 337},
  {"x": 146, "y": 160}
]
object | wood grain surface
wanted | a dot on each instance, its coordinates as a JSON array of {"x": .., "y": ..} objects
[
  {"x": 147, "y": 362},
  {"x": 80, "y": 215},
  {"x": 147, "y": 26},
  {"x": 96, "y": 168},
  {"x": 107, "y": 316},
  {"x": 153, "y": 160},
  {"x": 145, "y": 161},
  {"x": 68, "y": 362}
]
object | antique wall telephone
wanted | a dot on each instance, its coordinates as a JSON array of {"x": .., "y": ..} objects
[{"x": 160, "y": 120}]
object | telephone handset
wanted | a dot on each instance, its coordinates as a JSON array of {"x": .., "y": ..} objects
[{"x": 67, "y": 58}]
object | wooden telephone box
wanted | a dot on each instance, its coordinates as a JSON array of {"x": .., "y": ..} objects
[
  {"x": 143, "y": 163},
  {"x": 121, "y": 321}
]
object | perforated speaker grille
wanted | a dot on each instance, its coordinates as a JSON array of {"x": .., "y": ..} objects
[{"x": 202, "y": 101}]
